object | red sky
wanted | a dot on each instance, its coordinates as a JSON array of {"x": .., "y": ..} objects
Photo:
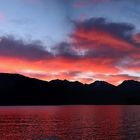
[
  {"x": 91, "y": 53},
  {"x": 76, "y": 40}
]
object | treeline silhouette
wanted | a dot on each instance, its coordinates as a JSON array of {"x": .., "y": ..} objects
[{"x": 16, "y": 89}]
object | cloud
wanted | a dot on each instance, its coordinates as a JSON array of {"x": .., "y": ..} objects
[
  {"x": 98, "y": 28},
  {"x": 34, "y": 56},
  {"x": 97, "y": 49},
  {"x": 83, "y": 77},
  {"x": 65, "y": 75},
  {"x": 10, "y": 47},
  {"x": 111, "y": 42},
  {"x": 65, "y": 49},
  {"x": 136, "y": 38}
]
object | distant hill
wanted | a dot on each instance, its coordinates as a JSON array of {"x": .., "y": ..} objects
[
  {"x": 16, "y": 89},
  {"x": 130, "y": 85}
]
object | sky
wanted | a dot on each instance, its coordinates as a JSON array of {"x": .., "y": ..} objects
[{"x": 76, "y": 40}]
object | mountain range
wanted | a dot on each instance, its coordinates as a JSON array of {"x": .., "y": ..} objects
[{"x": 17, "y": 89}]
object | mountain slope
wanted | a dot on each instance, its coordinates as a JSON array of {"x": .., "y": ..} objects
[{"x": 16, "y": 89}]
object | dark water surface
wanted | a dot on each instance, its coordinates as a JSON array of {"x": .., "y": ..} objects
[{"x": 70, "y": 123}]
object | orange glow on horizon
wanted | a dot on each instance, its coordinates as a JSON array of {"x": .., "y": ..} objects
[{"x": 60, "y": 69}]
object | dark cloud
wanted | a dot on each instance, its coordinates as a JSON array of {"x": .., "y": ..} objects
[
  {"x": 112, "y": 42},
  {"x": 10, "y": 47},
  {"x": 65, "y": 49},
  {"x": 98, "y": 38},
  {"x": 120, "y": 30}
]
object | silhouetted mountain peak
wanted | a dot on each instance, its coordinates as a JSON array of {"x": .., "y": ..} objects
[
  {"x": 65, "y": 83},
  {"x": 101, "y": 84},
  {"x": 17, "y": 89},
  {"x": 129, "y": 83},
  {"x": 14, "y": 76}
]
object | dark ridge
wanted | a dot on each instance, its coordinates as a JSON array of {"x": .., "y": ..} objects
[
  {"x": 16, "y": 89},
  {"x": 103, "y": 84},
  {"x": 129, "y": 83}
]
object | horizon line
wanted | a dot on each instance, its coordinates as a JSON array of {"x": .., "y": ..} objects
[{"x": 66, "y": 79}]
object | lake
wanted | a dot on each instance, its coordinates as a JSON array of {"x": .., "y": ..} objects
[{"x": 70, "y": 123}]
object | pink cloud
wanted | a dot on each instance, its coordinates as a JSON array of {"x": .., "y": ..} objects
[{"x": 136, "y": 38}]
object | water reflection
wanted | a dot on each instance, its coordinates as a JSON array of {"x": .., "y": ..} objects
[{"x": 70, "y": 123}]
